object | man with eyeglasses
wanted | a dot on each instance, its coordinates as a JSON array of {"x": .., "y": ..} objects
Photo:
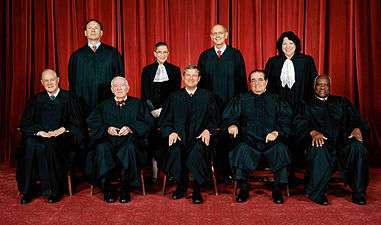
[
  {"x": 223, "y": 72},
  {"x": 260, "y": 122},
  {"x": 158, "y": 80}
]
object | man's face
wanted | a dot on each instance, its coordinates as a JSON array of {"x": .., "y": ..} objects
[
  {"x": 218, "y": 35},
  {"x": 191, "y": 78},
  {"x": 322, "y": 87},
  {"x": 50, "y": 81},
  {"x": 288, "y": 47},
  {"x": 258, "y": 83},
  {"x": 161, "y": 54},
  {"x": 120, "y": 88},
  {"x": 93, "y": 31}
]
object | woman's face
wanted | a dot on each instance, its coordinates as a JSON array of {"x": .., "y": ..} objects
[{"x": 288, "y": 47}]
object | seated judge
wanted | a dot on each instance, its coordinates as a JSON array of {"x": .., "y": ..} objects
[
  {"x": 188, "y": 120},
  {"x": 261, "y": 122},
  {"x": 158, "y": 80},
  {"x": 118, "y": 127},
  {"x": 51, "y": 126},
  {"x": 334, "y": 132}
]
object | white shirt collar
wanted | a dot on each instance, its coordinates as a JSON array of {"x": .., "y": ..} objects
[
  {"x": 125, "y": 98},
  {"x": 191, "y": 92},
  {"x": 321, "y": 99},
  {"x": 55, "y": 94},
  {"x": 221, "y": 49},
  {"x": 91, "y": 45}
]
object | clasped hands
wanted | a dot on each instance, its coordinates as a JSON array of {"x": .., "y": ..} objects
[
  {"x": 174, "y": 137},
  {"x": 272, "y": 136},
  {"x": 124, "y": 131},
  {"x": 53, "y": 133}
]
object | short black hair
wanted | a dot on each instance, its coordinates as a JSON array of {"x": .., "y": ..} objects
[
  {"x": 291, "y": 36},
  {"x": 257, "y": 71},
  {"x": 93, "y": 20},
  {"x": 160, "y": 43}
]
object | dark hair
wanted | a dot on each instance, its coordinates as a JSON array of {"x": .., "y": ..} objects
[
  {"x": 93, "y": 20},
  {"x": 291, "y": 36},
  {"x": 321, "y": 76},
  {"x": 257, "y": 71},
  {"x": 160, "y": 43},
  {"x": 192, "y": 67}
]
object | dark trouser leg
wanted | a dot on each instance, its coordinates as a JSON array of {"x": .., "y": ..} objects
[
  {"x": 320, "y": 168},
  {"x": 223, "y": 146}
]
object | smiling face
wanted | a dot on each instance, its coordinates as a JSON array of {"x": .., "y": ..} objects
[
  {"x": 218, "y": 35},
  {"x": 288, "y": 47},
  {"x": 119, "y": 87},
  {"x": 191, "y": 78},
  {"x": 93, "y": 31},
  {"x": 258, "y": 83},
  {"x": 161, "y": 54},
  {"x": 50, "y": 81},
  {"x": 322, "y": 86}
]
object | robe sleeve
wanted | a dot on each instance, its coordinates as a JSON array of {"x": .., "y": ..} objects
[
  {"x": 204, "y": 81},
  {"x": 118, "y": 65},
  {"x": 354, "y": 119},
  {"x": 283, "y": 124},
  {"x": 141, "y": 126},
  {"x": 166, "y": 121},
  {"x": 232, "y": 112},
  {"x": 95, "y": 122},
  {"x": 213, "y": 116},
  {"x": 75, "y": 123},
  {"x": 71, "y": 72},
  {"x": 28, "y": 125},
  {"x": 240, "y": 74}
]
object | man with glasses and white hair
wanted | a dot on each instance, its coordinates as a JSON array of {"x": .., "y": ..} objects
[{"x": 118, "y": 127}]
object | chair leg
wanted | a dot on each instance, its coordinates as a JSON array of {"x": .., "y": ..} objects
[
  {"x": 142, "y": 182},
  {"x": 91, "y": 190},
  {"x": 214, "y": 180},
  {"x": 287, "y": 191},
  {"x": 164, "y": 184},
  {"x": 235, "y": 189},
  {"x": 69, "y": 187}
]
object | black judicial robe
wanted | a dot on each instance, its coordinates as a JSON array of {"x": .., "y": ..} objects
[
  {"x": 110, "y": 150},
  {"x": 90, "y": 73},
  {"x": 189, "y": 117},
  {"x": 305, "y": 73},
  {"x": 335, "y": 118},
  {"x": 52, "y": 156},
  {"x": 256, "y": 116},
  {"x": 224, "y": 77},
  {"x": 155, "y": 93}
]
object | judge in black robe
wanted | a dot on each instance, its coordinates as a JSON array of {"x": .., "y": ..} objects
[
  {"x": 262, "y": 122},
  {"x": 118, "y": 129},
  {"x": 335, "y": 129},
  {"x": 188, "y": 120},
  {"x": 158, "y": 80},
  {"x": 90, "y": 71},
  {"x": 297, "y": 89},
  {"x": 51, "y": 126},
  {"x": 223, "y": 72}
]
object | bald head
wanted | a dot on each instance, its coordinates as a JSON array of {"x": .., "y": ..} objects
[
  {"x": 119, "y": 87},
  {"x": 218, "y": 35},
  {"x": 50, "y": 80}
]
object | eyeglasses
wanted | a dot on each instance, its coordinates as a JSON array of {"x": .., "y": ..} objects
[{"x": 257, "y": 81}]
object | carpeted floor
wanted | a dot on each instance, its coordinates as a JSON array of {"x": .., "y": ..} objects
[{"x": 154, "y": 208}]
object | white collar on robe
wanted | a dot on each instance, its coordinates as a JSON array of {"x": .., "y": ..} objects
[
  {"x": 161, "y": 74},
  {"x": 287, "y": 75},
  {"x": 221, "y": 49},
  {"x": 191, "y": 92}
]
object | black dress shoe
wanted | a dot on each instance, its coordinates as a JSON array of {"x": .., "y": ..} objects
[
  {"x": 321, "y": 201},
  {"x": 124, "y": 197},
  {"x": 180, "y": 192},
  {"x": 109, "y": 197},
  {"x": 53, "y": 198},
  {"x": 277, "y": 197},
  {"x": 197, "y": 197},
  {"x": 358, "y": 199},
  {"x": 25, "y": 199},
  {"x": 242, "y": 196}
]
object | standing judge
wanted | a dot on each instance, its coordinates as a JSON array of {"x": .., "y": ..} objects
[
  {"x": 223, "y": 72},
  {"x": 188, "y": 121},
  {"x": 51, "y": 126},
  {"x": 92, "y": 67},
  {"x": 158, "y": 80}
]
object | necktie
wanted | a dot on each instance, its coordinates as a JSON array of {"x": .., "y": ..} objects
[
  {"x": 120, "y": 103},
  {"x": 219, "y": 53},
  {"x": 52, "y": 97},
  {"x": 191, "y": 94},
  {"x": 94, "y": 47}
]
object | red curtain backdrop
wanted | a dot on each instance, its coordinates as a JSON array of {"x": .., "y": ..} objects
[{"x": 343, "y": 36}]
